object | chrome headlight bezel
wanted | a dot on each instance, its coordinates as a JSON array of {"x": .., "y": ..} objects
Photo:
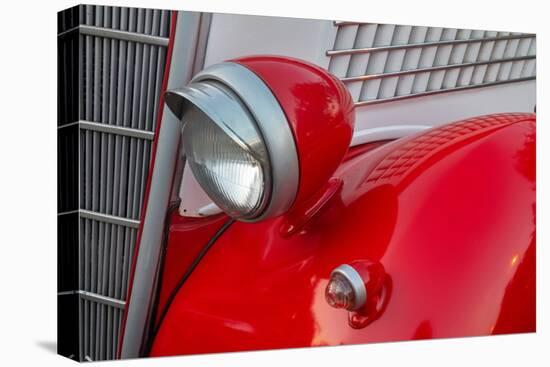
[{"x": 239, "y": 103}]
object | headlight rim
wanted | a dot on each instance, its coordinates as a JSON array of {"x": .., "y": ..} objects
[
  {"x": 269, "y": 119},
  {"x": 206, "y": 107}
]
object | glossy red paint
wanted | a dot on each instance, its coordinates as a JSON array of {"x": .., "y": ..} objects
[
  {"x": 378, "y": 285},
  {"x": 363, "y": 148},
  {"x": 307, "y": 209},
  {"x": 186, "y": 237},
  {"x": 319, "y": 109},
  {"x": 449, "y": 214}
]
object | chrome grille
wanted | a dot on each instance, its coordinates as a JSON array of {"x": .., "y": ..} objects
[
  {"x": 384, "y": 62},
  {"x": 117, "y": 57}
]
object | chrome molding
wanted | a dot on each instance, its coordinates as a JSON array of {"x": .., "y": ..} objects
[
  {"x": 389, "y": 132},
  {"x": 106, "y": 218},
  {"x": 434, "y": 68},
  {"x": 271, "y": 121},
  {"x": 92, "y": 30},
  {"x": 68, "y": 212},
  {"x": 352, "y": 51},
  {"x": 344, "y": 23},
  {"x": 187, "y": 42},
  {"x": 205, "y": 20},
  {"x": 122, "y": 35},
  {"x": 91, "y": 296},
  {"x": 68, "y": 31},
  {"x": 112, "y": 129},
  {"x": 441, "y": 91},
  {"x": 223, "y": 108},
  {"x": 357, "y": 283}
]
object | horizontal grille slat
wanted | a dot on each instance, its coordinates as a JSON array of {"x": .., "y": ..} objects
[
  {"x": 111, "y": 62},
  {"x": 111, "y": 129},
  {"x": 440, "y": 91},
  {"x": 122, "y": 35},
  {"x": 434, "y": 68},
  {"x": 96, "y": 298},
  {"x": 383, "y": 63},
  {"x": 106, "y": 218},
  {"x": 425, "y": 44}
]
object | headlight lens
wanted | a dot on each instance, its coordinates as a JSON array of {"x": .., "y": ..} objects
[
  {"x": 227, "y": 156},
  {"x": 238, "y": 141}
]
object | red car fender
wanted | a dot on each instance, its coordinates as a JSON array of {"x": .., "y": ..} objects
[
  {"x": 319, "y": 109},
  {"x": 450, "y": 216}
]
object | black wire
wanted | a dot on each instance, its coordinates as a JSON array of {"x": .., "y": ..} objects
[{"x": 184, "y": 278}]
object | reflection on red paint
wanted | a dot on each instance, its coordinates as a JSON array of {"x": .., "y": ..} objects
[
  {"x": 423, "y": 331},
  {"x": 186, "y": 237},
  {"x": 445, "y": 213}
]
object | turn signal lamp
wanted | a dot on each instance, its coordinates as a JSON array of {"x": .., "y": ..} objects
[{"x": 346, "y": 289}]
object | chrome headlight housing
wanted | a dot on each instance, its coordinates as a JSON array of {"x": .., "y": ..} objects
[
  {"x": 228, "y": 158},
  {"x": 237, "y": 142}
]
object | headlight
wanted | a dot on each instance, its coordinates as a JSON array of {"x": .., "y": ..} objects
[
  {"x": 227, "y": 155},
  {"x": 238, "y": 142},
  {"x": 262, "y": 134}
]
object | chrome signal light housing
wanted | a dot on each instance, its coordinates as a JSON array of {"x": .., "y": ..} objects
[
  {"x": 346, "y": 289},
  {"x": 253, "y": 148}
]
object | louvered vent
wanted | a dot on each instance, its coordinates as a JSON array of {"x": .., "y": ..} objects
[
  {"x": 403, "y": 161},
  {"x": 383, "y": 62},
  {"x": 110, "y": 65}
]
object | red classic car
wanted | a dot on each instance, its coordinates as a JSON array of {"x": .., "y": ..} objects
[{"x": 293, "y": 201}]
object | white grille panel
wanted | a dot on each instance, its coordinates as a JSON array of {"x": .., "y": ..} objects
[{"x": 385, "y": 62}]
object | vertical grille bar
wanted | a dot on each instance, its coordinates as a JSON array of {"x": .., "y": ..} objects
[{"x": 112, "y": 81}]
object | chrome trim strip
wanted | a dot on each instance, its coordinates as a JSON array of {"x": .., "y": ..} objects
[
  {"x": 426, "y": 44},
  {"x": 68, "y": 124},
  {"x": 122, "y": 35},
  {"x": 90, "y": 296},
  {"x": 274, "y": 127},
  {"x": 434, "y": 68},
  {"x": 357, "y": 283},
  {"x": 441, "y": 91},
  {"x": 68, "y": 212},
  {"x": 118, "y": 130},
  {"x": 385, "y": 133},
  {"x": 66, "y": 32},
  {"x": 224, "y": 108},
  {"x": 111, "y": 129},
  {"x": 88, "y": 214},
  {"x": 205, "y": 21},
  {"x": 140, "y": 307},
  {"x": 339, "y": 23}
]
